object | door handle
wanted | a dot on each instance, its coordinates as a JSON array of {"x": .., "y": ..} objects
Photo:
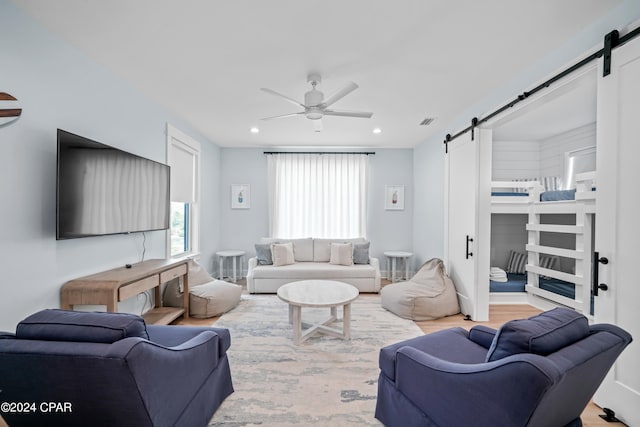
[
  {"x": 595, "y": 286},
  {"x": 468, "y": 254}
]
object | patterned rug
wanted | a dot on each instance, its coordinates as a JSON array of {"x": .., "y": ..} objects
[{"x": 323, "y": 381}]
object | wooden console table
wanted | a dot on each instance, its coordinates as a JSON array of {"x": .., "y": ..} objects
[{"x": 111, "y": 286}]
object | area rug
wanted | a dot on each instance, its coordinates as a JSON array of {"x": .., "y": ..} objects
[{"x": 323, "y": 381}]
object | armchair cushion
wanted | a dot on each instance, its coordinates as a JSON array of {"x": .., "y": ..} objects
[
  {"x": 78, "y": 326},
  {"x": 541, "y": 334}
]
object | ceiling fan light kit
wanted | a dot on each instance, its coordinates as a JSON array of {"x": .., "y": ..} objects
[{"x": 315, "y": 106}]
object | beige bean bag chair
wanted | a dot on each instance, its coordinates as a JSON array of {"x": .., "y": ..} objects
[
  {"x": 208, "y": 297},
  {"x": 430, "y": 294}
]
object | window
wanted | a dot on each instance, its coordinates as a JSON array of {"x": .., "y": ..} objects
[
  {"x": 578, "y": 161},
  {"x": 184, "y": 159},
  {"x": 317, "y": 195}
]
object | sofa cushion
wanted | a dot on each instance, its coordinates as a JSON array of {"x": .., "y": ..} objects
[
  {"x": 361, "y": 253},
  {"x": 322, "y": 247},
  {"x": 341, "y": 254},
  {"x": 282, "y": 254},
  {"x": 79, "y": 326},
  {"x": 302, "y": 248},
  {"x": 263, "y": 253},
  {"x": 314, "y": 270},
  {"x": 542, "y": 334}
]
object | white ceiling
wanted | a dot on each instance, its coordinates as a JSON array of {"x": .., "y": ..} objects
[{"x": 206, "y": 60}]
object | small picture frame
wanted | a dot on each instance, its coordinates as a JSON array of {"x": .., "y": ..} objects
[
  {"x": 240, "y": 196},
  {"x": 394, "y": 197}
]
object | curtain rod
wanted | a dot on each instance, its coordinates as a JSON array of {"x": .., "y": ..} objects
[
  {"x": 319, "y": 152},
  {"x": 611, "y": 41}
]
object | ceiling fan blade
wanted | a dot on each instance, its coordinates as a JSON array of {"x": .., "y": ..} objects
[
  {"x": 317, "y": 125},
  {"x": 361, "y": 114},
  {"x": 340, "y": 94},
  {"x": 283, "y": 116},
  {"x": 285, "y": 97}
]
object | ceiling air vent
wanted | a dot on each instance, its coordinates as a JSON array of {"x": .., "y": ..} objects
[{"x": 427, "y": 121}]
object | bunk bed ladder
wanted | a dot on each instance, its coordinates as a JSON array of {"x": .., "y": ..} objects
[{"x": 582, "y": 254}]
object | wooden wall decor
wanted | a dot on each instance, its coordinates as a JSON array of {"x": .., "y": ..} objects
[{"x": 8, "y": 115}]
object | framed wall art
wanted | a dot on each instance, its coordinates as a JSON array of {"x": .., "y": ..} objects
[
  {"x": 394, "y": 197},
  {"x": 240, "y": 196}
]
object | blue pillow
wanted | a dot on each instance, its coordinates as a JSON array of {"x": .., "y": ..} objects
[
  {"x": 541, "y": 334},
  {"x": 263, "y": 253},
  {"x": 80, "y": 326},
  {"x": 361, "y": 253}
]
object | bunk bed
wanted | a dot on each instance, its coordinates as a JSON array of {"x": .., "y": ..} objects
[{"x": 548, "y": 282}]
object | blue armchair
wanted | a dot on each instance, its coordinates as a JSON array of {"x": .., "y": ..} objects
[
  {"x": 111, "y": 369},
  {"x": 536, "y": 372}
]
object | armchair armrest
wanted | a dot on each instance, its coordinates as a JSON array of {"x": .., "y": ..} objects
[
  {"x": 446, "y": 388},
  {"x": 171, "y": 336},
  {"x": 159, "y": 371},
  {"x": 482, "y": 335}
]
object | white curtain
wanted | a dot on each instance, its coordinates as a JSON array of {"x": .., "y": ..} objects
[{"x": 317, "y": 195}]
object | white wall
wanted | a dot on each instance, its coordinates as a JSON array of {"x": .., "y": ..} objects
[
  {"x": 531, "y": 159},
  {"x": 428, "y": 217},
  {"x": 508, "y": 233},
  {"x": 59, "y": 87},
  {"x": 552, "y": 150},
  {"x": 515, "y": 160},
  {"x": 387, "y": 230}
]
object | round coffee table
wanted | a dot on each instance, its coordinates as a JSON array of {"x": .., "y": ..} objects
[{"x": 318, "y": 293}]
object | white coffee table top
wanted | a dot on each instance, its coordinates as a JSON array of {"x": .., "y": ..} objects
[{"x": 317, "y": 293}]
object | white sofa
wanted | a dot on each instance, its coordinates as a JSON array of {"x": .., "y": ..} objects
[{"x": 312, "y": 262}]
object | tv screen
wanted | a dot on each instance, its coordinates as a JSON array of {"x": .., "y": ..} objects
[{"x": 102, "y": 190}]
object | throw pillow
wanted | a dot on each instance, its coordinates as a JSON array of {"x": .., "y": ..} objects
[
  {"x": 549, "y": 261},
  {"x": 361, "y": 253},
  {"x": 263, "y": 253},
  {"x": 341, "y": 254},
  {"x": 517, "y": 262},
  {"x": 282, "y": 254},
  {"x": 541, "y": 334}
]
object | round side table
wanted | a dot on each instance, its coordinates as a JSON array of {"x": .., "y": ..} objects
[
  {"x": 235, "y": 256},
  {"x": 392, "y": 257}
]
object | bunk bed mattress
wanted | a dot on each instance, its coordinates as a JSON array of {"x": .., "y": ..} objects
[
  {"x": 517, "y": 283},
  {"x": 547, "y": 196},
  {"x": 554, "y": 196}
]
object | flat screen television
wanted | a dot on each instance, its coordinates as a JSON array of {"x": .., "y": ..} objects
[{"x": 103, "y": 190}]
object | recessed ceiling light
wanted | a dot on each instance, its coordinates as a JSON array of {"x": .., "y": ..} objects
[
  {"x": 255, "y": 130},
  {"x": 377, "y": 130}
]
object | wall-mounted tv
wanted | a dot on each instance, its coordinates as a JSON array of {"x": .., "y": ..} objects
[{"x": 103, "y": 190}]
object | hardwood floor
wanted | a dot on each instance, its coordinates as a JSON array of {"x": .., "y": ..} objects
[{"x": 498, "y": 314}]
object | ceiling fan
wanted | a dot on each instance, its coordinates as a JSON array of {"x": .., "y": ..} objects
[{"x": 315, "y": 106}]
